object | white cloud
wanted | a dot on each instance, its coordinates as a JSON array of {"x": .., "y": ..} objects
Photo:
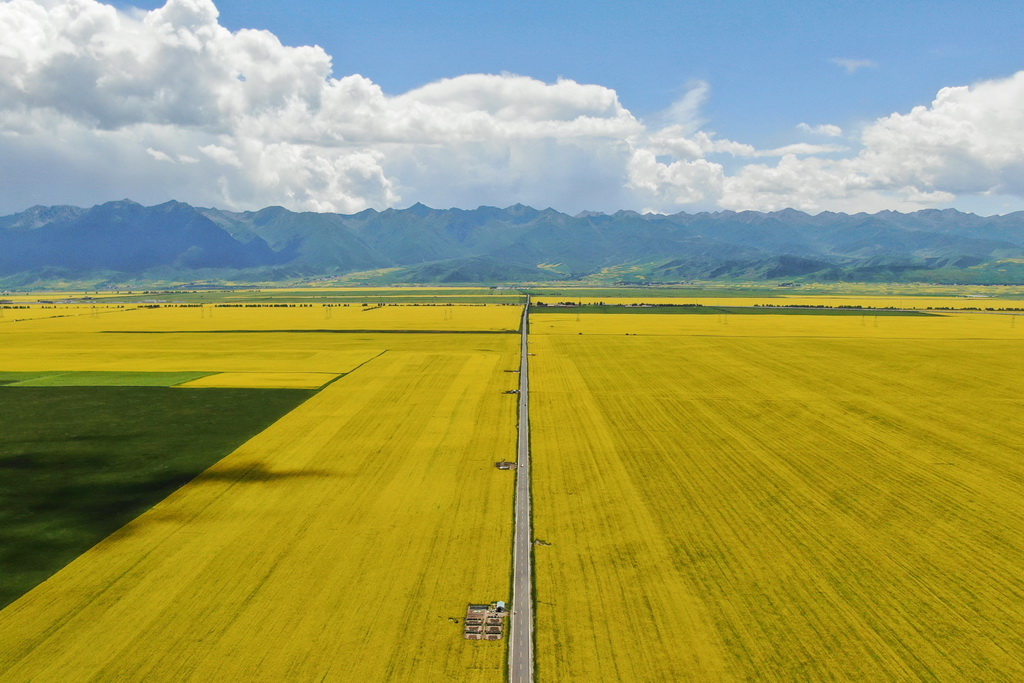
[
  {"x": 827, "y": 129},
  {"x": 969, "y": 141},
  {"x": 676, "y": 183},
  {"x": 221, "y": 155},
  {"x": 258, "y": 122},
  {"x": 98, "y": 104},
  {"x": 167, "y": 158},
  {"x": 673, "y": 140},
  {"x": 158, "y": 155},
  {"x": 802, "y": 149},
  {"x": 685, "y": 113},
  {"x": 852, "y": 66}
]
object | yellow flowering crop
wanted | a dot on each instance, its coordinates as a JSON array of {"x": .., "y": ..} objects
[
  {"x": 341, "y": 543},
  {"x": 942, "y": 325},
  {"x": 262, "y": 380},
  {"x": 783, "y": 498}
]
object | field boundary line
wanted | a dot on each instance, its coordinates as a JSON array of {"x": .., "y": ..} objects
[{"x": 343, "y": 375}]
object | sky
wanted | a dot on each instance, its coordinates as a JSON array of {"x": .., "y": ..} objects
[{"x": 655, "y": 106}]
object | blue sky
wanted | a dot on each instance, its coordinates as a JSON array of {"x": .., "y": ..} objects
[
  {"x": 769, "y": 64},
  {"x": 709, "y": 99}
]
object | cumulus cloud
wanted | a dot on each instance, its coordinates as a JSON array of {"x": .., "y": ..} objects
[
  {"x": 969, "y": 140},
  {"x": 258, "y": 122},
  {"x": 673, "y": 140},
  {"x": 676, "y": 183},
  {"x": 96, "y": 103},
  {"x": 852, "y": 66}
]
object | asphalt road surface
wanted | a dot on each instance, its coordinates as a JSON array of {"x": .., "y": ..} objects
[{"x": 520, "y": 647}]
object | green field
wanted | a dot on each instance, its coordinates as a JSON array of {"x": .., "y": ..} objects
[
  {"x": 77, "y": 463},
  {"x": 14, "y": 377},
  {"x": 97, "y": 379}
]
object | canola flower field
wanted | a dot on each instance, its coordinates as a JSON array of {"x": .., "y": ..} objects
[
  {"x": 261, "y": 380},
  {"x": 779, "y": 498},
  {"x": 341, "y": 543},
  {"x": 849, "y": 301},
  {"x": 963, "y": 326},
  {"x": 209, "y": 339},
  {"x": 716, "y": 497}
]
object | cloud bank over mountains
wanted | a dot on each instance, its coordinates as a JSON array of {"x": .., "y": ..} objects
[{"x": 96, "y": 104}]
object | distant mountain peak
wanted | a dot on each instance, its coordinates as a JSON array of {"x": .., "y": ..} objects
[
  {"x": 419, "y": 209},
  {"x": 787, "y": 213},
  {"x": 518, "y": 210},
  {"x": 490, "y": 244}
]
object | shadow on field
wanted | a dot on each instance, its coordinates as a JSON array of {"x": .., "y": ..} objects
[
  {"x": 78, "y": 463},
  {"x": 258, "y": 473},
  {"x": 65, "y": 438}
]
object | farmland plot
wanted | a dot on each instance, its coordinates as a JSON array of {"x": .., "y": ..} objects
[
  {"x": 342, "y": 543},
  {"x": 910, "y": 302},
  {"x": 963, "y": 326},
  {"x": 242, "y": 340},
  {"x": 208, "y": 318},
  {"x": 79, "y": 461},
  {"x": 794, "y": 507},
  {"x": 272, "y": 380}
]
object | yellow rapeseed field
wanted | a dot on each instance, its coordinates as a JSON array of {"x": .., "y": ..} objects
[
  {"x": 944, "y": 325},
  {"x": 783, "y": 498},
  {"x": 164, "y": 318},
  {"x": 716, "y": 498},
  {"x": 391, "y": 317},
  {"x": 338, "y": 545},
  {"x": 252, "y": 339},
  {"x": 262, "y": 380},
  {"x": 19, "y": 313},
  {"x": 34, "y": 347},
  {"x": 829, "y": 300}
]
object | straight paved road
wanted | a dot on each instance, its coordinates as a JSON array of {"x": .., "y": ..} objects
[{"x": 520, "y": 648}]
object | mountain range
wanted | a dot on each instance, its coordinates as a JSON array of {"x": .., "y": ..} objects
[{"x": 175, "y": 243}]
